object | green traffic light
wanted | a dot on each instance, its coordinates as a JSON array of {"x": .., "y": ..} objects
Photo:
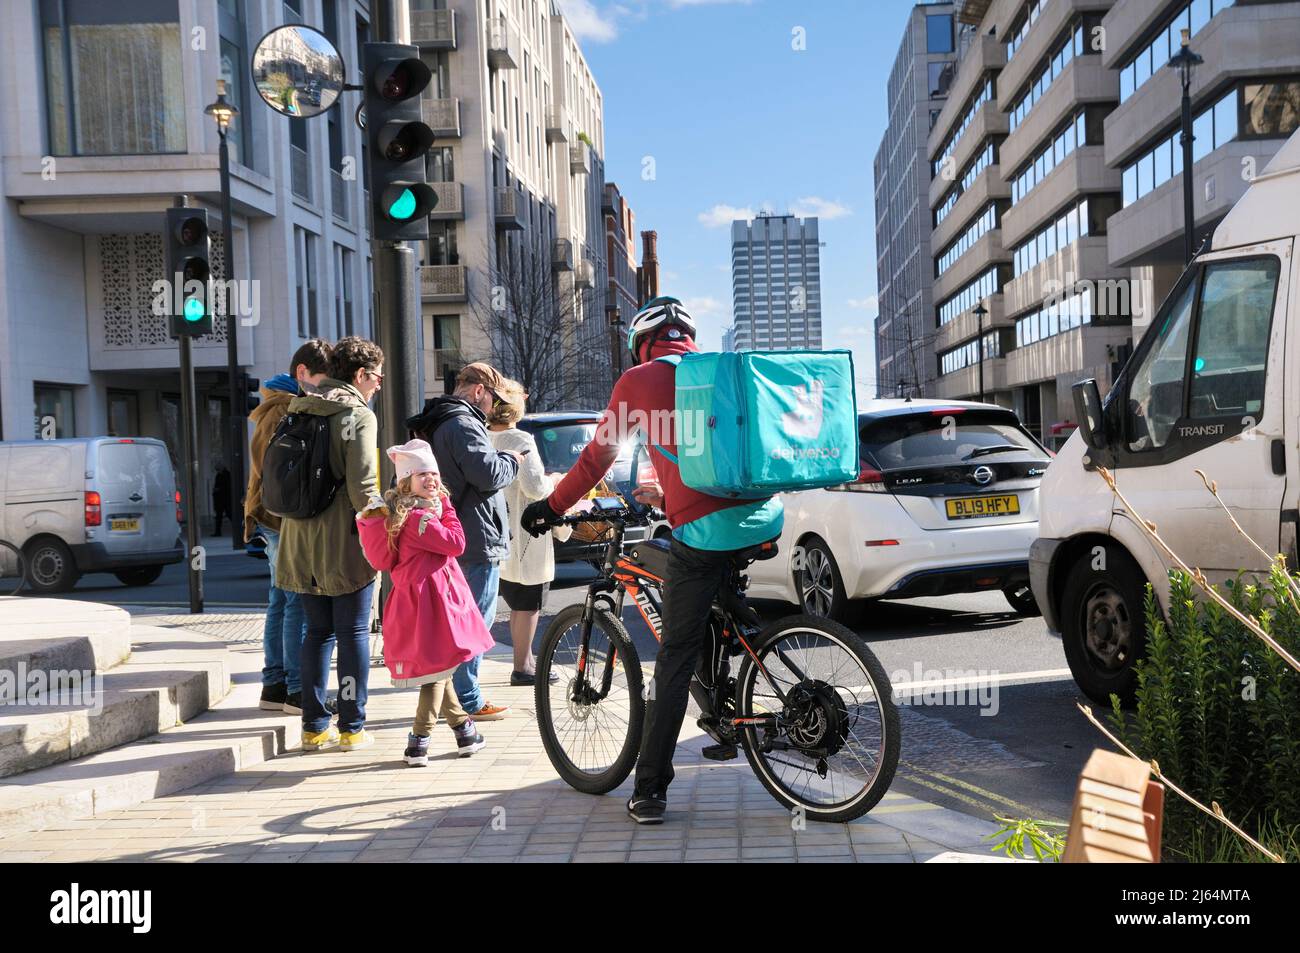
[
  {"x": 404, "y": 207},
  {"x": 193, "y": 309}
]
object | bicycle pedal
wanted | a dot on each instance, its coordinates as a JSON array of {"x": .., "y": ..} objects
[{"x": 720, "y": 752}]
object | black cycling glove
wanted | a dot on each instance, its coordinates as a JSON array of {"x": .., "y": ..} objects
[{"x": 536, "y": 517}]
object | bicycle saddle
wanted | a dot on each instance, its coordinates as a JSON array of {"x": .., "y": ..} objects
[{"x": 765, "y": 550}]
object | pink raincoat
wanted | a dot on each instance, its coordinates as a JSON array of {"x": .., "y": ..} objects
[{"x": 431, "y": 622}]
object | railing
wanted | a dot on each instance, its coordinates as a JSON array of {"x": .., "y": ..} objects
[
  {"x": 442, "y": 116},
  {"x": 502, "y": 44},
  {"x": 579, "y": 158},
  {"x": 562, "y": 255},
  {"x": 300, "y": 173},
  {"x": 443, "y": 282},
  {"x": 555, "y": 124},
  {"x": 451, "y": 200},
  {"x": 508, "y": 209},
  {"x": 435, "y": 29},
  {"x": 338, "y": 195}
]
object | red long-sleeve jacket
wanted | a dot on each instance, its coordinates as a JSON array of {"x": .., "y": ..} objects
[{"x": 643, "y": 394}]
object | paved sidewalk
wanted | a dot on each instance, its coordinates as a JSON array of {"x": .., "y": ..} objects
[{"x": 504, "y": 804}]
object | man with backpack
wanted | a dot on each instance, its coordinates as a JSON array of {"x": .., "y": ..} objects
[
  {"x": 707, "y": 531},
  {"x": 320, "y": 470},
  {"x": 284, "y": 629},
  {"x": 475, "y": 473}
]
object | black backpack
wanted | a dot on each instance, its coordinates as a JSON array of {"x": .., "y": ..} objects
[{"x": 297, "y": 481}]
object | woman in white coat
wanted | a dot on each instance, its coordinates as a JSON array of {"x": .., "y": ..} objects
[{"x": 527, "y": 572}]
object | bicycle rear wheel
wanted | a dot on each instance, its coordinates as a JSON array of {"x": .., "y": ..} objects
[
  {"x": 12, "y": 568},
  {"x": 831, "y": 748},
  {"x": 590, "y": 720}
]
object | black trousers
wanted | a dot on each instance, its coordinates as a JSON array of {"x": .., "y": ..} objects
[{"x": 694, "y": 577}]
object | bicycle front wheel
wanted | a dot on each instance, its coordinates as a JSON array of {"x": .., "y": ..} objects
[
  {"x": 831, "y": 746},
  {"x": 590, "y": 719}
]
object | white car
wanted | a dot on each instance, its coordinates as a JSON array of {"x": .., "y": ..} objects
[{"x": 946, "y": 502}]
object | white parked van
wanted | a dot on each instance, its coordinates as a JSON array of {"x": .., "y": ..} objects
[
  {"x": 94, "y": 504},
  {"x": 1212, "y": 386}
]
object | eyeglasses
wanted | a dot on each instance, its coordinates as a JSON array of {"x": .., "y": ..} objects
[
  {"x": 379, "y": 378},
  {"x": 496, "y": 398}
]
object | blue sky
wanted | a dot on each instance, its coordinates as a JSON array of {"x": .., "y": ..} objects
[{"x": 735, "y": 118}]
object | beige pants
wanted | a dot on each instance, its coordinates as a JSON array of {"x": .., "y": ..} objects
[{"x": 437, "y": 698}]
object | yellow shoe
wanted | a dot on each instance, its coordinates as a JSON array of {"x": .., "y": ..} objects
[
  {"x": 352, "y": 740},
  {"x": 320, "y": 740}
]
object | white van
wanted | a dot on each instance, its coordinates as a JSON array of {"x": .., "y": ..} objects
[
  {"x": 93, "y": 504},
  {"x": 1212, "y": 386}
]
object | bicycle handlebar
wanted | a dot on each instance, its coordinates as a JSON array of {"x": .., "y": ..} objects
[{"x": 621, "y": 516}]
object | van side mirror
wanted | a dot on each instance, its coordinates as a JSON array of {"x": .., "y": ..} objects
[{"x": 1087, "y": 406}]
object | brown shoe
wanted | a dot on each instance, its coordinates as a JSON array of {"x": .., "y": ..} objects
[{"x": 490, "y": 712}]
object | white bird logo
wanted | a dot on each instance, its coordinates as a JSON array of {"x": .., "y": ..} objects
[{"x": 806, "y": 418}]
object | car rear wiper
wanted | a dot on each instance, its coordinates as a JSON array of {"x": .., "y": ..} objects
[{"x": 1000, "y": 448}]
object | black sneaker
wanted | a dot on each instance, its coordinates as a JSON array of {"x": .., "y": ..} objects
[
  {"x": 518, "y": 679},
  {"x": 468, "y": 739},
  {"x": 273, "y": 697},
  {"x": 647, "y": 808},
  {"x": 293, "y": 704},
  {"x": 417, "y": 751}
]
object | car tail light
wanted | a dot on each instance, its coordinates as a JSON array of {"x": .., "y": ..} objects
[
  {"x": 870, "y": 480},
  {"x": 180, "y": 517},
  {"x": 94, "y": 513}
]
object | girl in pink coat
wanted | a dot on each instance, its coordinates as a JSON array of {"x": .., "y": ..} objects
[{"x": 431, "y": 621}]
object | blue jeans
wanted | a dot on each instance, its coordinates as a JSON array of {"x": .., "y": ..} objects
[
  {"x": 483, "y": 579},
  {"x": 345, "y": 619},
  {"x": 284, "y": 630}
]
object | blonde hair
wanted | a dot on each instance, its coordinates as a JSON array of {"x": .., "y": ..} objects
[
  {"x": 512, "y": 406},
  {"x": 400, "y": 501}
]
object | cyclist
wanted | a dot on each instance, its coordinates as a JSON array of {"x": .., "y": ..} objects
[{"x": 707, "y": 531}]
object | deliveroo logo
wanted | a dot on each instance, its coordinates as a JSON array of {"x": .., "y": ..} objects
[{"x": 805, "y": 421}]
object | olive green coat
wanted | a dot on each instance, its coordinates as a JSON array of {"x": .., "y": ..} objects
[{"x": 323, "y": 555}]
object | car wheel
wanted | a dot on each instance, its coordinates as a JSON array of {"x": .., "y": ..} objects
[
  {"x": 50, "y": 566},
  {"x": 817, "y": 581},
  {"x": 1103, "y": 626},
  {"x": 139, "y": 576},
  {"x": 1021, "y": 598}
]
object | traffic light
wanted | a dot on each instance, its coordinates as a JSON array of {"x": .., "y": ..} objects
[
  {"x": 188, "y": 252},
  {"x": 251, "y": 388},
  {"x": 398, "y": 139}
]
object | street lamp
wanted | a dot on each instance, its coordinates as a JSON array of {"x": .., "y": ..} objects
[
  {"x": 980, "y": 311},
  {"x": 223, "y": 112},
  {"x": 1185, "y": 61},
  {"x": 615, "y": 346}
]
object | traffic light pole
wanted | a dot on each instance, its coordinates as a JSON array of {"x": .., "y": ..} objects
[
  {"x": 190, "y": 471},
  {"x": 238, "y": 400}
]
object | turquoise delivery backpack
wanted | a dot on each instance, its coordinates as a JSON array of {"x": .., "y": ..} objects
[{"x": 753, "y": 423}]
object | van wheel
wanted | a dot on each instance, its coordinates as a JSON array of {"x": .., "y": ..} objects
[
  {"x": 1021, "y": 599},
  {"x": 50, "y": 566},
  {"x": 818, "y": 583},
  {"x": 140, "y": 576},
  {"x": 1103, "y": 626}
]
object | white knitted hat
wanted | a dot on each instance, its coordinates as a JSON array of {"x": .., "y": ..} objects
[{"x": 414, "y": 456}]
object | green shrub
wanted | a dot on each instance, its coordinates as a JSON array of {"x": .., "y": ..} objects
[{"x": 1218, "y": 710}]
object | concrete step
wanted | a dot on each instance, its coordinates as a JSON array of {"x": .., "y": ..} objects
[
  {"x": 232, "y": 736},
  {"x": 58, "y": 635},
  {"x": 172, "y": 676}
]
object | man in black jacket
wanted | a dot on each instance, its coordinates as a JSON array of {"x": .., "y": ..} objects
[{"x": 474, "y": 472}]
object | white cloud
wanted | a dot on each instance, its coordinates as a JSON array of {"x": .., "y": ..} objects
[
  {"x": 587, "y": 22},
  {"x": 819, "y": 207},
  {"x": 721, "y": 215},
  {"x": 869, "y": 303},
  {"x": 703, "y": 306}
]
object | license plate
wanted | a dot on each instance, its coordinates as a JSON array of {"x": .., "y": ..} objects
[
  {"x": 124, "y": 526},
  {"x": 970, "y": 507}
]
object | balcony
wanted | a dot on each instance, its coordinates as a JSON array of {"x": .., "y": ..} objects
[
  {"x": 511, "y": 212},
  {"x": 443, "y": 363},
  {"x": 338, "y": 196},
  {"x": 451, "y": 201},
  {"x": 967, "y": 324},
  {"x": 502, "y": 44},
  {"x": 579, "y": 158},
  {"x": 556, "y": 123},
  {"x": 608, "y": 204},
  {"x": 442, "y": 116},
  {"x": 965, "y": 383},
  {"x": 584, "y": 274},
  {"x": 300, "y": 173},
  {"x": 443, "y": 284},
  {"x": 434, "y": 29},
  {"x": 562, "y": 255}
]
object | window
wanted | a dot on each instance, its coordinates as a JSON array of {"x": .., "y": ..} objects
[
  {"x": 1270, "y": 109},
  {"x": 54, "y": 404},
  {"x": 113, "y": 81},
  {"x": 1155, "y": 398},
  {"x": 938, "y": 34},
  {"x": 438, "y": 164},
  {"x": 123, "y": 414},
  {"x": 940, "y": 78},
  {"x": 1229, "y": 356},
  {"x": 305, "y": 260}
]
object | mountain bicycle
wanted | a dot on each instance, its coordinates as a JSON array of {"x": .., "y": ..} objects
[{"x": 810, "y": 704}]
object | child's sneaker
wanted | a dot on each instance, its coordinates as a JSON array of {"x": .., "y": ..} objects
[
  {"x": 417, "y": 751},
  {"x": 320, "y": 740},
  {"x": 468, "y": 739},
  {"x": 352, "y": 740}
]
